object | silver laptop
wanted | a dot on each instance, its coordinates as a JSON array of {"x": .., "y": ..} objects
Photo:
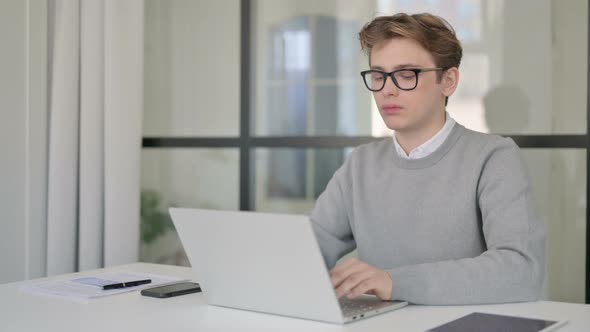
[{"x": 268, "y": 263}]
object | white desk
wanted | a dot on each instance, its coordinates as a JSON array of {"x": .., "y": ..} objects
[{"x": 132, "y": 312}]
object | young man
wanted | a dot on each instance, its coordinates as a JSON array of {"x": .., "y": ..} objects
[{"x": 439, "y": 214}]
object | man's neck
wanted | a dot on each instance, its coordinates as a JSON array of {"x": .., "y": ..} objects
[{"x": 413, "y": 138}]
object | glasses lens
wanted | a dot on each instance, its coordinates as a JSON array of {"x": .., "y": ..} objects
[
  {"x": 406, "y": 79},
  {"x": 374, "y": 80}
]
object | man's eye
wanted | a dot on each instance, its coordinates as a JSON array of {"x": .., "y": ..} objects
[{"x": 407, "y": 76}]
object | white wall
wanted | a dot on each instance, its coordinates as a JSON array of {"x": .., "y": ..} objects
[
  {"x": 192, "y": 68},
  {"x": 23, "y": 32},
  {"x": 566, "y": 209},
  {"x": 192, "y": 88},
  {"x": 526, "y": 64},
  {"x": 550, "y": 71},
  {"x": 570, "y": 65}
]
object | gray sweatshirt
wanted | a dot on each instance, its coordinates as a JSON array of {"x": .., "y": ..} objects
[{"x": 456, "y": 227}]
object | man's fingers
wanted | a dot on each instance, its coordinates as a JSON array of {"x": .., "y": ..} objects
[
  {"x": 354, "y": 277},
  {"x": 344, "y": 265},
  {"x": 364, "y": 287},
  {"x": 379, "y": 284},
  {"x": 337, "y": 276},
  {"x": 352, "y": 281}
]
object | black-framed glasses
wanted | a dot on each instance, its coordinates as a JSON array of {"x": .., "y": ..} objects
[{"x": 405, "y": 79}]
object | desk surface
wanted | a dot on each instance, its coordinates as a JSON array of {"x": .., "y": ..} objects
[{"x": 132, "y": 312}]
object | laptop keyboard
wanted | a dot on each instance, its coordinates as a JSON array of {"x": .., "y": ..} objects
[{"x": 357, "y": 306}]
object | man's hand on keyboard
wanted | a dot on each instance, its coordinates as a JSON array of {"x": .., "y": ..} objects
[{"x": 354, "y": 277}]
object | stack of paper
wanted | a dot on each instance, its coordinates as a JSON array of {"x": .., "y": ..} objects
[{"x": 86, "y": 288}]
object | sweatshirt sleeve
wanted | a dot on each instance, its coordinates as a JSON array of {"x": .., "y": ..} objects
[
  {"x": 330, "y": 217},
  {"x": 512, "y": 267}
]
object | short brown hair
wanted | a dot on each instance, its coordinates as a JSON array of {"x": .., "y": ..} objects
[{"x": 432, "y": 32}]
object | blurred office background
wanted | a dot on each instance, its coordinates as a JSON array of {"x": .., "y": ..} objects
[{"x": 254, "y": 104}]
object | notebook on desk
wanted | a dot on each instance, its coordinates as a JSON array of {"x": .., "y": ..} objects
[
  {"x": 485, "y": 322},
  {"x": 268, "y": 263}
]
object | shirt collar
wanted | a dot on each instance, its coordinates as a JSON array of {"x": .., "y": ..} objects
[{"x": 428, "y": 147}]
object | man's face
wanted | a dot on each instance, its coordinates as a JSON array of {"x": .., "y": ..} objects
[{"x": 407, "y": 111}]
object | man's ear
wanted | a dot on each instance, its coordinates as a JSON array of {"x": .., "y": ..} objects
[{"x": 450, "y": 80}]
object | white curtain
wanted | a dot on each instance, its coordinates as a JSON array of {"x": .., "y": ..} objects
[{"x": 95, "y": 98}]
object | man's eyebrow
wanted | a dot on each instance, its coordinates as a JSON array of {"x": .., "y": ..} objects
[
  {"x": 405, "y": 65},
  {"x": 377, "y": 68}
]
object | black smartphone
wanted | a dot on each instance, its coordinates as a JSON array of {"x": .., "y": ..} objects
[{"x": 171, "y": 290}]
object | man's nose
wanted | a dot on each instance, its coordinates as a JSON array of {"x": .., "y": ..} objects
[{"x": 390, "y": 88}]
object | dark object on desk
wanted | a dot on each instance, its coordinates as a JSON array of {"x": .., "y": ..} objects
[
  {"x": 127, "y": 284},
  {"x": 482, "y": 322},
  {"x": 177, "y": 289}
]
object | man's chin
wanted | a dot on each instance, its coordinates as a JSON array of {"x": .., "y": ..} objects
[
  {"x": 397, "y": 126},
  {"x": 396, "y": 123},
  {"x": 400, "y": 128}
]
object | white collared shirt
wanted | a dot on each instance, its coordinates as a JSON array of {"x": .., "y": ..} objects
[{"x": 429, "y": 146}]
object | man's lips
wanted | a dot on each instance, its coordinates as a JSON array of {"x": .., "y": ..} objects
[{"x": 391, "y": 109}]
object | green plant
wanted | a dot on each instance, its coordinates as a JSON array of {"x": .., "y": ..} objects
[{"x": 154, "y": 221}]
